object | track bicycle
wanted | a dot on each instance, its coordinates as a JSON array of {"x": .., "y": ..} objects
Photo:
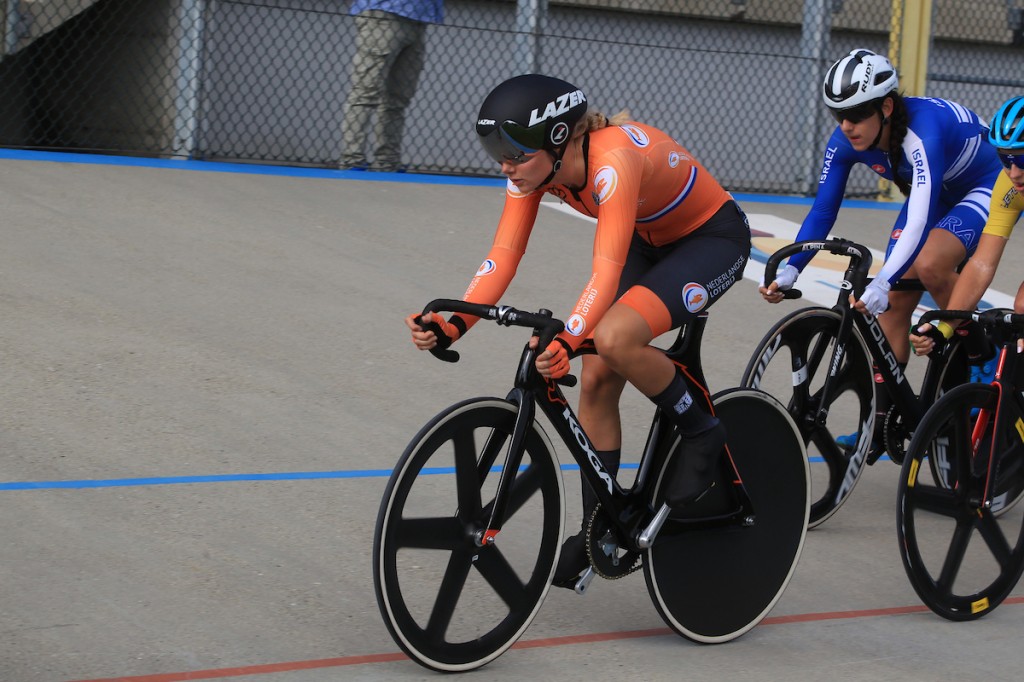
[
  {"x": 819, "y": 361},
  {"x": 962, "y": 549},
  {"x": 471, "y": 522}
]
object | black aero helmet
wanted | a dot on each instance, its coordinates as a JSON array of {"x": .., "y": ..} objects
[{"x": 529, "y": 113}]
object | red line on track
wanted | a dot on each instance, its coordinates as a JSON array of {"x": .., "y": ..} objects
[{"x": 569, "y": 640}]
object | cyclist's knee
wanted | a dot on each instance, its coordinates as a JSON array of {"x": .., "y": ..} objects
[
  {"x": 936, "y": 276},
  {"x": 614, "y": 348},
  {"x": 936, "y": 267},
  {"x": 619, "y": 338}
]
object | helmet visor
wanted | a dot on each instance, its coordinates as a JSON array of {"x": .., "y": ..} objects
[{"x": 512, "y": 142}]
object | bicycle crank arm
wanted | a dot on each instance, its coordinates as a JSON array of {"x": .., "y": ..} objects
[
  {"x": 585, "y": 579},
  {"x": 648, "y": 534}
]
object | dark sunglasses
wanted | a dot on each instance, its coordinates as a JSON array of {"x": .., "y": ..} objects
[
  {"x": 1012, "y": 160},
  {"x": 855, "y": 114}
]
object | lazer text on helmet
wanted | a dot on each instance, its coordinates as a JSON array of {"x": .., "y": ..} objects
[{"x": 557, "y": 107}]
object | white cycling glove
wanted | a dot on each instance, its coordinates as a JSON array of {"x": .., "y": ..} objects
[
  {"x": 786, "y": 277},
  {"x": 876, "y": 297}
]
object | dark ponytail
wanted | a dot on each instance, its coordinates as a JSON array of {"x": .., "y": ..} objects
[{"x": 897, "y": 131}]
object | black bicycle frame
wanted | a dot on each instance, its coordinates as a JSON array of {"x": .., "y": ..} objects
[
  {"x": 854, "y": 281},
  {"x": 1009, "y": 377},
  {"x": 627, "y": 507},
  {"x": 894, "y": 377}
]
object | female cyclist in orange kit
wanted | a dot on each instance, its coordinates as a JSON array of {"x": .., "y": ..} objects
[{"x": 669, "y": 242}]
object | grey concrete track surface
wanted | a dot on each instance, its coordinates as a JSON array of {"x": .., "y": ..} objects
[{"x": 167, "y": 323}]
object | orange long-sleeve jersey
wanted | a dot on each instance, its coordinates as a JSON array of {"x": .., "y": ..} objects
[{"x": 638, "y": 180}]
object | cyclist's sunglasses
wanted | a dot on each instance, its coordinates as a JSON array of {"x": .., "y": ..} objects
[
  {"x": 512, "y": 142},
  {"x": 1012, "y": 160},
  {"x": 855, "y": 114}
]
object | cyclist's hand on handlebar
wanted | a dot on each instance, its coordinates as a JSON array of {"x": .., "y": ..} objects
[
  {"x": 925, "y": 338},
  {"x": 784, "y": 280},
  {"x": 553, "y": 363},
  {"x": 440, "y": 333},
  {"x": 875, "y": 299}
]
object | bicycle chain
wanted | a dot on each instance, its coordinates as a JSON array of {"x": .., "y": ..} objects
[{"x": 598, "y": 529}]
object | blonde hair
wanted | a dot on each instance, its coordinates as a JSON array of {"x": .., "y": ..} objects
[{"x": 597, "y": 120}]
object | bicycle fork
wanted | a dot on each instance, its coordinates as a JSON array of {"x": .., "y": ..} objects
[{"x": 513, "y": 458}]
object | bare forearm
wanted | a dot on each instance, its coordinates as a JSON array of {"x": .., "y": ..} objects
[{"x": 977, "y": 275}]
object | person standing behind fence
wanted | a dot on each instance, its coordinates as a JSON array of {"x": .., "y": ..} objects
[{"x": 390, "y": 49}]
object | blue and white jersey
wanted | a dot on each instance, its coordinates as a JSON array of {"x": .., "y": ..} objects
[{"x": 947, "y": 161}]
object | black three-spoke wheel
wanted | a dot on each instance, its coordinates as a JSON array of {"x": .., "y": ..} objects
[
  {"x": 451, "y": 601},
  {"x": 961, "y": 534}
]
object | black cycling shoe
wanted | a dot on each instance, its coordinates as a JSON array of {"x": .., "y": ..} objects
[
  {"x": 572, "y": 561},
  {"x": 694, "y": 469}
]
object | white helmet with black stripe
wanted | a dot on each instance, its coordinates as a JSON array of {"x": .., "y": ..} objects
[{"x": 858, "y": 78}]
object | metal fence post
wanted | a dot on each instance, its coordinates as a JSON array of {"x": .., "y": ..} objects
[
  {"x": 12, "y": 18},
  {"x": 814, "y": 45},
  {"x": 530, "y": 15},
  {"x": 187, "y": 70},
  {"x": 1015, "y": 20}
]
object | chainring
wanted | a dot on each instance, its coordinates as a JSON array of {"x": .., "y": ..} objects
[
  {"x": 610, "y": 561},
  {"x": 896, "y": 435}
]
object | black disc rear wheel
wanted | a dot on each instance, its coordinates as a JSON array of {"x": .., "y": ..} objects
[{"x": 715, "y": 583}]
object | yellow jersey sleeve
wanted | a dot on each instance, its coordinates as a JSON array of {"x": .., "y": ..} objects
[{"x": 1005, "y": 208}]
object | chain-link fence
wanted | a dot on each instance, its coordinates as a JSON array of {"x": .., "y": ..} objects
[{"x": 737, "y": 81}]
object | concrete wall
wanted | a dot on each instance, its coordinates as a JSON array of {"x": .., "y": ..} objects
[{"x": 97, "y": 80}]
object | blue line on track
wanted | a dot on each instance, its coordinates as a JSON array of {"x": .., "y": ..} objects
[
  {"x": 327, "y": 173},
  {"x": 245, "y": 168},
  {"x": 228, "y": 478},
  {"x": 235, "y": 478},
  {"x": 178, "y": 480}
]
